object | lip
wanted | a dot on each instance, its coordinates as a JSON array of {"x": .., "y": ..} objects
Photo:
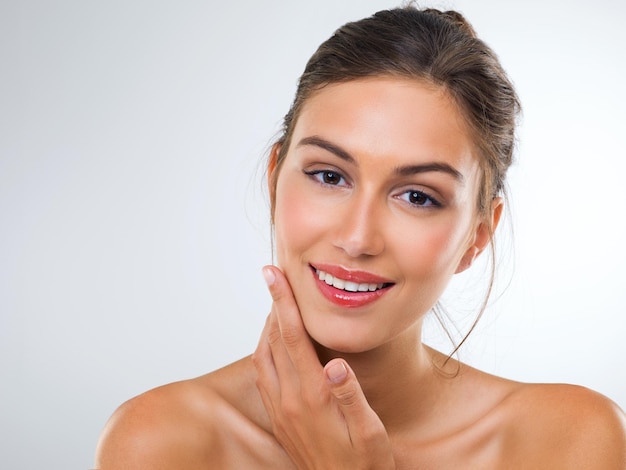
[
  {"x": 344, "y": 298},
  {"x": 351, "y": 275}
]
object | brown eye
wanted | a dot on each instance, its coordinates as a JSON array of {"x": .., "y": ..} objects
[
  {"x": 327, "y": 177},
  {"x": 330, "y": 177},
  {"x": 420, "y": 199}
]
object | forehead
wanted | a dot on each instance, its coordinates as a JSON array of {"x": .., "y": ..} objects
[{"x": 389, "y": 119}]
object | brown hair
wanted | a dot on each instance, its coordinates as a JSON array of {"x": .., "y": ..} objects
[{"x": 428, "y": 45}]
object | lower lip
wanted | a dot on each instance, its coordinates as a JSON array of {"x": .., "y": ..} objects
[{"x": 348, "y": 299}]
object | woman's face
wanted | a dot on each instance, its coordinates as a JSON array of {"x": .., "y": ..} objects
[{"x": 375, "y": 208}]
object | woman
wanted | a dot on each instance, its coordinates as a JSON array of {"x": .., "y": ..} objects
[{"x": 388, "y": 180}]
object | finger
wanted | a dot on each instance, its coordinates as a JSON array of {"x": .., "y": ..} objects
[
  {"x": 362, "y": 422},
  {"x": 285, "y": 369},
  {"x": 267, "y": 378},
  {"x": 263, "y": 338},
  {"x": 296, "y": 340},
  {"x": 262, "y": 357}
]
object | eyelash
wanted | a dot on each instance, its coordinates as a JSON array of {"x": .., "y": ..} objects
[
  {"x": 320, "y": 177},
  {"x": 421, "y": 194}
]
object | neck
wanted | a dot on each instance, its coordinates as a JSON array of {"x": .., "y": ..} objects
[{"x": 399, "y": 379}]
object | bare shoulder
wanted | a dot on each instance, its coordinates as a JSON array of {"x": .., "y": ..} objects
[
  {"x": 179, "y": 425},
  {"x": 164, "y": 425},
  {"x": 564, "y": 426}
]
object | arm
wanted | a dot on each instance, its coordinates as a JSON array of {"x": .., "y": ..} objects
[
  {"x": 319, "y": 414},
  {"x": 594, "y": 435},
  {"x": 566, "y": 427},
  {"x": 155, "y": 430}
]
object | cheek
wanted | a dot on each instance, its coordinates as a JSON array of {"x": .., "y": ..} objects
[
  {"x": 295, "y": 222},
  {"x": 434, "y": 251}
]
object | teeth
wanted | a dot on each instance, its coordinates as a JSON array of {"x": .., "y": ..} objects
[
  {"x": 351, "y": 286},
  {"x": 346, "y": 285}
]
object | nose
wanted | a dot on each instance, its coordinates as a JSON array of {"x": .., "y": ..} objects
[{"x": 360, "y": 229}]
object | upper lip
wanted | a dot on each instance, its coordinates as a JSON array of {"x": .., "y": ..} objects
[{"x": 352, "y": 275}]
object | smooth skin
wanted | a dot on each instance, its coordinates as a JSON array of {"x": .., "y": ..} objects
[{"x": 331, "y": 387}]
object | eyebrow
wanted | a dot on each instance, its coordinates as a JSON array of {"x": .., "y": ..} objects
[
  {"x": 406, "y": 170},
  {"x": 328, "y": 146}
]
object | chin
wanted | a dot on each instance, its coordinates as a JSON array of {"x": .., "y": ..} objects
[
  {"x": 342, "y": 336},
  {"x": 341, "y": 347}
]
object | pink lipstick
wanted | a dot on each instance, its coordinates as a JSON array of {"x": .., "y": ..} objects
[{"x": 349, "y": 288}]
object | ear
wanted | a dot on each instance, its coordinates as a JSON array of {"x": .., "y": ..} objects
[
  {"x": 271, "y": 169},
  {"x": 482, "y": 236}
]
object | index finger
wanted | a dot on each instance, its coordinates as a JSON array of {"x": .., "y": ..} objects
[{"x": 293, "y": 333}]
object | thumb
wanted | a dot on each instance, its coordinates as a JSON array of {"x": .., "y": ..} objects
[
  {"x": 346, "y": 389},
  {"x": 364, "y": 426}
]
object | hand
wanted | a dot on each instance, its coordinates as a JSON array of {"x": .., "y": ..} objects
[{"x": 319, "y": 414}]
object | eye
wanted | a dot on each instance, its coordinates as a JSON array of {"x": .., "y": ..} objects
[
  {"x": 419, "y": 198},
  {"x": 326, "y": 177}
]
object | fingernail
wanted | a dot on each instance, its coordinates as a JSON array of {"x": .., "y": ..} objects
[
  {"x": 269, "y": 276},
  {"x": 337, "y": 372}
]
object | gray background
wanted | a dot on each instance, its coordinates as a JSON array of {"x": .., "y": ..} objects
[{"x": 133, "y": 224}]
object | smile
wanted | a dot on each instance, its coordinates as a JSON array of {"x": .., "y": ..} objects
[
  {"x": 349, "y": 288},
  {"x": 343, "y": 284}
]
